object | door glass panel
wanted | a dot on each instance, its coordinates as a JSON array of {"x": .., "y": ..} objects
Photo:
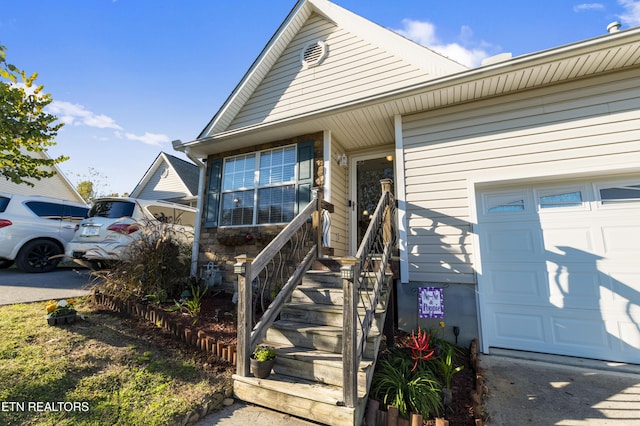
[{"x": 369, "y": 174}]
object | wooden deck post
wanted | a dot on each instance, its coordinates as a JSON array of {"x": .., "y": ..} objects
[
  {"x": 242, "y": 267},
  {"x": 350, "y": 359},
  {"x": 317, "y": 219},
  {"x": 387, "y": 234}
]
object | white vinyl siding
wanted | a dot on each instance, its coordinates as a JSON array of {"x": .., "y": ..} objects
[
  {"x": 164, "y": 184},
  {"x": 588, "y": 125},
  {"x": 353, "y": 69},
  {"x": 53, "y": 187},
  {"x": 339, "y": 196},
  {"x": 56, "y": 186}
]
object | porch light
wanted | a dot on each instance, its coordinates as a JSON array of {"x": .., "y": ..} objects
[
  {"x": 348, "y": 267},
  {"x": 389, "y": 157},
  {"x": 343, "y": 161},
  {"x": 239, "y": 268},
  {"x": 346, "y": 272}
]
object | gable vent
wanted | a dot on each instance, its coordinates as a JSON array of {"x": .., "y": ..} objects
[{"x": 313, "y": 53}]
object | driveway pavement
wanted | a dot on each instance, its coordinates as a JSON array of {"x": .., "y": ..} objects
[
  {"x": 20, "y": 287},
  {"x": 554, "y": 390}
]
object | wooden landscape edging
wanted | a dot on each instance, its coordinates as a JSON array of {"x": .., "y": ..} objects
[
  {"x": 163, "y": 320},
  {"x": 376, "y": 416}
]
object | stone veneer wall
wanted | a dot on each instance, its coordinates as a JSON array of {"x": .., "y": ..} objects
[{"x": 222, "y": 245}]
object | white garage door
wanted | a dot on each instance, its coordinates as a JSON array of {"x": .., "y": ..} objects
[{"x": 560, "y": 269}]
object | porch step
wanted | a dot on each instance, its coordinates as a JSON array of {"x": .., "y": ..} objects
[
  {"x": 302, "y": 398},
  {"x": 329, "y": 279},
  {"x": 326, "y": 296},
  {"x": 325, "y": 279},
  {"x": 320, "y": 366},
  {"x": 308, "y": 371},
  {"x": 322, "y": 315},
  {"x": 322, "y": 337}
]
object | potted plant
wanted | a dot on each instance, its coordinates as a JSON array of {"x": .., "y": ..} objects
[
  {"x": 60, "y": 312},
  {"x": 262, "y": 361}
]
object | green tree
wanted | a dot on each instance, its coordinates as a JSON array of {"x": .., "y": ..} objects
[
  {"x": 85, "y": 189},
  {"x": 25, "y": 128},
  {"x": 91, "y": 185}
]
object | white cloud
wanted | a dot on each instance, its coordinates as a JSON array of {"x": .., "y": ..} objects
[
  {"x": 631, "y": 16},
  {"x": 148, "y": 138},
  {"x": 78, "y": 115},
  {"x": 467, "y": 52},
  {"x": 588, "y": 6}
]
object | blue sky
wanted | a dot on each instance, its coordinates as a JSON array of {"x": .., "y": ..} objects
[{"x": 129, "y": 76}]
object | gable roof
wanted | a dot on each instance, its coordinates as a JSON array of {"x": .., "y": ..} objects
[
  {"x": 187, "y": 177},
  {"x": 424, "y": 61},
  {"x": 369, "y": 121}
]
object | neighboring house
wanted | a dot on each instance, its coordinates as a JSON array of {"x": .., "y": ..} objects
[
  {"x": 518, "y": 182},
  {"x": 57, "y": 186},
  {"x": 171, "y": 179}
]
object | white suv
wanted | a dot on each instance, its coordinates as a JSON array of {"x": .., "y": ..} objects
[
  {"x": 113, "y": 223},
  {"x": 33, "y": 229}
]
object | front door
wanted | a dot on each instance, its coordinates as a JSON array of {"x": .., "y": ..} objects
[{"x": 366, "y": 173}]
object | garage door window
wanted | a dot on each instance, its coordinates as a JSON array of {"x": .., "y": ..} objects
[
  {"x": 620, "y": 194},
  {"x": 505, "y": 203},
  {"x": 560, "y": 200}
]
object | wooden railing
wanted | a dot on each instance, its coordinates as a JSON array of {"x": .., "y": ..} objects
[
  {"x": 364, "y": 278},
  {"x": 267, "y": 281}
]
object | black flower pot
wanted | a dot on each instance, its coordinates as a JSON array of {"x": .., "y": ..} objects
[
  {"x": 62, "y": 319},
  {"x": 262, "y": 369}
]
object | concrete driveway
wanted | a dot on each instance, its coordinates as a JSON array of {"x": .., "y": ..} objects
[
  {"x": 556, "y": 390},
  {"x": 21, "y": 287}
]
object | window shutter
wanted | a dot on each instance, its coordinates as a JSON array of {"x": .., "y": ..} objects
[
  {"x": 305, "y": 173},
  {"x": 213, "y": 194}
]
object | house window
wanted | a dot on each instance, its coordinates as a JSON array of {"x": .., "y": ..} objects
[{"x": 259, "y": 188}]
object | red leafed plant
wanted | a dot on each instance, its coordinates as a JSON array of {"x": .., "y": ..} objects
[{"x": 419, "y": 345}]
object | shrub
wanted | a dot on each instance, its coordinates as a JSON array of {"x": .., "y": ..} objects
[
  {"x": 156, "y": 265},
  {"x": 397, "y": 383}
]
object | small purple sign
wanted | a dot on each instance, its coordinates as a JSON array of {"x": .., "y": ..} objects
[{"x": 430, "y": 302}]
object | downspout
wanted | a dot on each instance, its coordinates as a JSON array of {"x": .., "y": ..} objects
[{"x": 195, "y": 250}]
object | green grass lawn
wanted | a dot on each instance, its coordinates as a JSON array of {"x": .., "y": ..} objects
[{"x": 97, "y": 371}]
